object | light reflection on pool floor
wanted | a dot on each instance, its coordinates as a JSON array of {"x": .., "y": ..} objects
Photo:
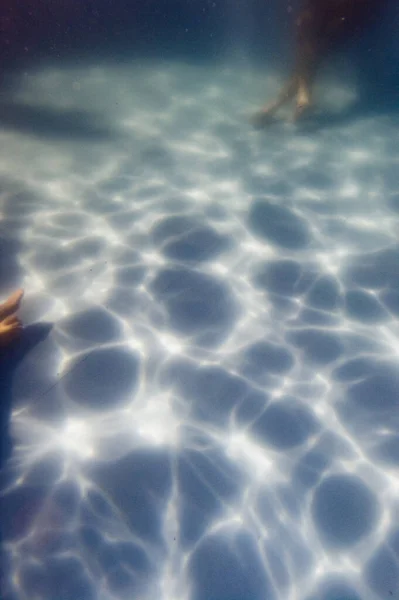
[{"x": 214, "y": 413}]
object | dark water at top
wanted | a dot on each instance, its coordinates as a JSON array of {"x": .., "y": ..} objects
[{"x": 203, "y": 404}]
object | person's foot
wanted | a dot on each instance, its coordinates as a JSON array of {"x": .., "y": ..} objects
[
  {"x": 10, "y": 328},
  {"x": 11, "y": 305}
]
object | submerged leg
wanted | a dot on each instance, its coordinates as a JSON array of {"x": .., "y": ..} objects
[
  {"x": 10, "y": 328},
  {"x": 10, "y": 325},
  {"x": 11, "y": 305}
]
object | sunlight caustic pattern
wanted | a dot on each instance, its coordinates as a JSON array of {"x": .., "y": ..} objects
[{"x": 214, "y": 415}]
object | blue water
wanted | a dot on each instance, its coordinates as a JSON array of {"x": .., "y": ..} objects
[{"x": 204, "y": 401}]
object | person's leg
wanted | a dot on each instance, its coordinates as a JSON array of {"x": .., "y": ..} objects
[
  {"x": 299, "y": 85},
  {"x": 309, "y": 53},
  {"x": 309, "y": 33},
  {"x": 10, "y": 328},
  {"x": 11, "y": 305},
  {"x": 10, "y": 325}
]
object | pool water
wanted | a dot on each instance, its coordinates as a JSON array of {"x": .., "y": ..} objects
[{"x": 204, "y": 402}]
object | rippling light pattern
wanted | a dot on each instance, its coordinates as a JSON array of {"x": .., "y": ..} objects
[{"x": 214, "y": 414}]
